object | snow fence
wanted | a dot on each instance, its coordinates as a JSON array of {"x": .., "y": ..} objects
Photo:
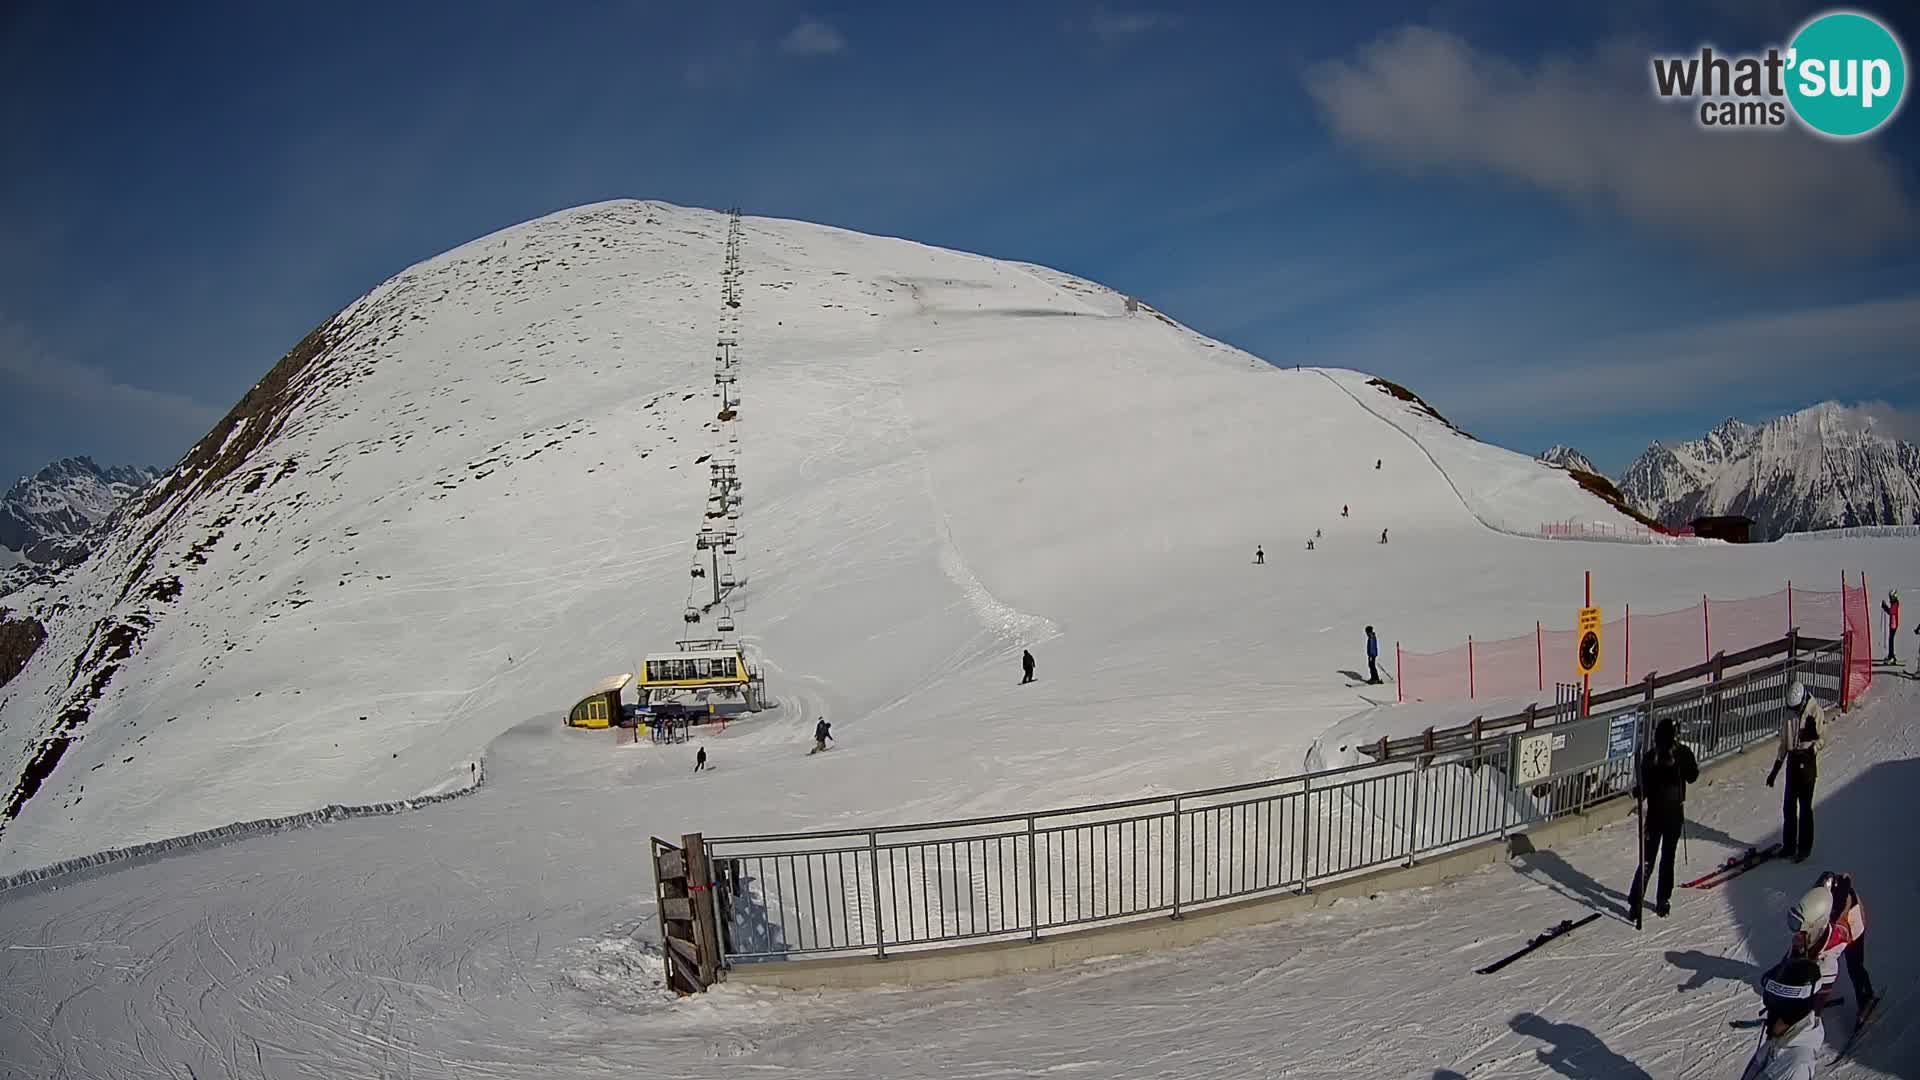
[
  {"x": 1021, "y": 876},
  {"x": 1634, "y": 646},
  {"x": 237, "y": 831}
]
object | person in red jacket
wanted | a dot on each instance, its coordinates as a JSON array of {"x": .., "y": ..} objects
[
  {"x": 1830, "y": 924},
  {"x": 1892, "y": 607}
]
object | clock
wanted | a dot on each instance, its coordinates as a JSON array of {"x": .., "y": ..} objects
[{"x": 1533, "y": 758}]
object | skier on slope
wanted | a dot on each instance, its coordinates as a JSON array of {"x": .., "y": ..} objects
[
  {"x": 1793, "y": 1035},
  {"x": 822, "y": 734},
  {"x": 700, "y": 760},
  {"x": 1383, "y": 536},
  {"x": 1343, "y": 510},
  {"x": 1665, "y": 772},
  {"x": 1026, "y": 666},
  {"x": 1259, "y": 556},
  {"x": 1800, "y": 733},
  {"x": 1373, "y": 658},
  {"x": 1309, "y": 543},
  {"x": 1892, "y": 607},
  {"x": 1829, "y": 922}
]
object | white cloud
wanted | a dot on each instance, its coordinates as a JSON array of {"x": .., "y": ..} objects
[
  {"x": 813, "y": 38},
  {"x": 95, "y": 394},
  {"x": 1109, "y": 25},
  {"x": 1902, "y": 424},
  {"x": 1693, "y": 365},
  {"x": 1589, "y": 131}
]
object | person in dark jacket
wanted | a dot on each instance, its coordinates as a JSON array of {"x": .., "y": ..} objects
[
  {"x": 1665, "y": 772},
  {"x": 700, "y": 760},
  {"x": 1373, "y": 657},
  {"x": 822, "y": 732},
  {"x": 1026, "y": 666},
  {"x": 1260, "y": 556}
]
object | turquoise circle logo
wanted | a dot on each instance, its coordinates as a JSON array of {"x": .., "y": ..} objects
[{"x": 1848, "y": 74}]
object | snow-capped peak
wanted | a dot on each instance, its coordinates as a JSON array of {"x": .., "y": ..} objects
[
  {"x": 46, "y": 517},
  {"x": 1825, "y": 466},
  {"x": 1566, "y": 457}
]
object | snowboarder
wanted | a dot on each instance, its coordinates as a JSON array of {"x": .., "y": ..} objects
[
  {"x": 1665, "y": 772},
  {"x": 1259, "y": 556},
  {"x": 1026, "y": 666},
  {"x": 1830, "y": 922},
  {"x": 1892, "y": 607},
  {"x": 1343, "y": 510},
  {"x": 1383, "y": 536},
  {"x": 822, "y": 734},
  {"x": 1800, "y": 732},
  {"x": 1373, "y": 658},
  {"x": 700, "y": 760},
  {"x": 1793, "y": 1034}
]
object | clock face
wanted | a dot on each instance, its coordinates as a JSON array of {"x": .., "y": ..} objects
[
  {"x": 1535, "y": 758},
  {"x": 1589, "y": 651}
]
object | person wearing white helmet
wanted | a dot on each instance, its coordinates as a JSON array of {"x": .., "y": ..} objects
[
  {"x": 1800, "y": 733},
  {"x": 1790, "y": 1044},
  {"x": 1828, "y": 923}
]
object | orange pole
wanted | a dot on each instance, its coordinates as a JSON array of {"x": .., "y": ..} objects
[
  {"x": 1586, "y": 681},
  {"x": 1626, "y": 662}
]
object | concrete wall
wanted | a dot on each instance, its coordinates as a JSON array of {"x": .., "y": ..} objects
[{"x": 1162, "y": 932}]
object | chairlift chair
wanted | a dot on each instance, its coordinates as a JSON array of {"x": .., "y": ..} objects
[
  {"x": 724, "y": 623},
  {"x": 692, "y": 615},
  {"x": 727, "y": 580},
  {"x": 734, "y": 514},
  {"x": 699, "y": 570}
]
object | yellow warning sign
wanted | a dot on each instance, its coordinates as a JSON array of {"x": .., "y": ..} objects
[{"x": 1589, "y": 651}]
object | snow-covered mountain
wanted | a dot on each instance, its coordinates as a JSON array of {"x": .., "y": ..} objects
[
  {"x": 1566, "y": 457},
  {"x": 46, "y": 517},
  {"x": 473, "y": 494},
  {"x": 1823, "y": 467}
]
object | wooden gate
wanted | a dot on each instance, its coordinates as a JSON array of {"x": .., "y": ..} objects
[{"x": 689, "y": 934}]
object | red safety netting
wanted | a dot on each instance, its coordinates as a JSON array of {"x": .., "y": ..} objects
[
  {"x": 1633, "y": 646},
  {"x": 1859, "y": 653}
]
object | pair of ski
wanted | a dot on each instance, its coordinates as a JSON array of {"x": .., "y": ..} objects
[
  {"x": 1551, "y": 933},
  {"x": 1733, "y": 867}
]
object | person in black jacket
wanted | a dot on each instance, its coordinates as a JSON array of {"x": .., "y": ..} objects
[
  {"x": 1026, "y": 666},
  {"x": 1665, "y": 772}
]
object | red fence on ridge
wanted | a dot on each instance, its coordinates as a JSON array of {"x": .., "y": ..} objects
[{"x": 1634, "y": 645}]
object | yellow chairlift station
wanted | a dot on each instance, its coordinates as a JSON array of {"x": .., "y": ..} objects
[{"x": 600, "y": 708}]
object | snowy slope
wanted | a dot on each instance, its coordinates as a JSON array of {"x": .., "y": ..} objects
[
  {"x": 509, "y": 935},
  {"x": 46, "y": 517},
  {"x": 1823, "y": 467},
  {"x": 1566, "y": 457},
  {"x": 472, "y": 495}
]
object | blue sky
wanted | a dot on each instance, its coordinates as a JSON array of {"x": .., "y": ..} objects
[{"x": 1480, "y": 200}]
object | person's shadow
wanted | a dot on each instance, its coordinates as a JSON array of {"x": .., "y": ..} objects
[
  {"x": 1573, "y": 1051},
  {"x": 1556, "y": 873},
  {"x": 1706, "y": 967}
]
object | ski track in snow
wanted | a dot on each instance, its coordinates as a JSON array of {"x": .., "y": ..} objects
[{"x": 934, "y": 473}]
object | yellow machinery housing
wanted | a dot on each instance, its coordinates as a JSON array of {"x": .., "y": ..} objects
[{"x": 601, "y": 708}]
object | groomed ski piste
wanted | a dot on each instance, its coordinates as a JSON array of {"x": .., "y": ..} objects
[{"x": 489, "y": 508}]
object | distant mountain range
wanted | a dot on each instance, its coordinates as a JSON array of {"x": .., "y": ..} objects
[
  {"x": 46, "y": 519},
  {"x": 1823, "y": 467},
  {"x": 1566, "y": 457}
]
